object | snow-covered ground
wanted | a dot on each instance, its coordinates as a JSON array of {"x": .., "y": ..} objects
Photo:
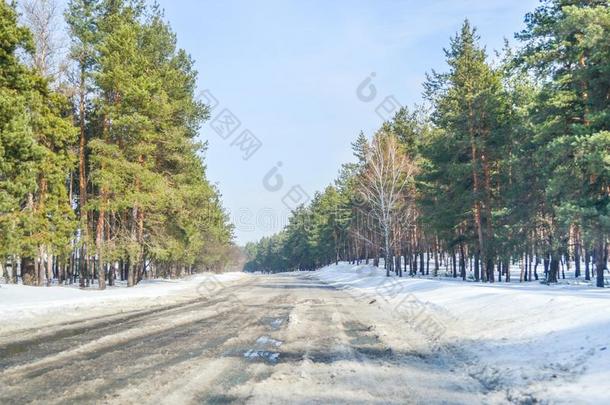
[
  {"x": 551, "y": 342},
  {"x": 19, "y": 302}
]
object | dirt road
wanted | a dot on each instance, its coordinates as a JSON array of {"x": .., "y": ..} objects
[{"x": 265, "y": 339}]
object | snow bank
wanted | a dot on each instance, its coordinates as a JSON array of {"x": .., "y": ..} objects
[
  {"x": 22, "y": 302},
  {"x": 552, "y": 342}
]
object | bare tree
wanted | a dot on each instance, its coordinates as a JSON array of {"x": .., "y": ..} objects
[
  {"x": 43, "y": 18},
  {"x": 386, "y": 175}
]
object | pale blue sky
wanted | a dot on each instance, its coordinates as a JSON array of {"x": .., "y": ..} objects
[{"x": 289, "y": 71}]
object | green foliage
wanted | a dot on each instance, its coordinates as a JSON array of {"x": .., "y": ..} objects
[
  {"x": 145, "y": 163},
  {"x": 36, "y": 137},
  {"x": 145, "y": 199},
  {"x": 513, "y": 159}
]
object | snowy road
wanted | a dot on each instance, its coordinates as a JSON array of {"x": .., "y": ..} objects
[{"x": 266, "y": 339}]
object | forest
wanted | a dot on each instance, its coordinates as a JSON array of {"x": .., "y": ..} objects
[
  {"x": 505, "y": 163},
  {"x": 102, "y": 176}
]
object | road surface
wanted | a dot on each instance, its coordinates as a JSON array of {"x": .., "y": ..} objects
[{"x": 265, "y": 339}]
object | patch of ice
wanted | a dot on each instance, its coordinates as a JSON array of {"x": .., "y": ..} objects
[
  {"x": 266, "y": 340},
  {"x": 252, "y": 354}
]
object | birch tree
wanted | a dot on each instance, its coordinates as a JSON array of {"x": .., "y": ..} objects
[
  {"x": 387, "y": 174},
  {"x": 43, "y": 18}
]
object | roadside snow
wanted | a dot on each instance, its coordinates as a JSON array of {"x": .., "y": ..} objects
[
  {"x": 526, "y": 341},
  {"x": 19, "y": 302}
]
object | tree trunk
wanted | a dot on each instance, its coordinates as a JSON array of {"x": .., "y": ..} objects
[
  {"x": 477, "y": 203},
  {"x": 436, "y": 266},
  {"x": 388, "y": 255},
  {"x": 587, "y": 265},
  {"x": 49, "y": 268},
  {"x": 462, "y": 262},
  {"x": 490, "y": 270},
  {"x": 99, "y": 239},
  {"x": 40, "y": 267},
  {"x": 82, "y": 177},
  {"x": 500, "y": 268},
  {"x": 453, "y": 263},
  {"x": 414, "y": 261},
  {"x": 577, "y": 261},
  {"x": 28, "y": 271},
  {"x": 489, "y": 242},
  {"x": 130, "y": 272},
  {"x": 14, "y": 268},
  {"x": 476, "y": 266},
  {"x": 600, "y": 262},
  {"x": 553, "y": 270},
  {"x": 399, "y": 264}
]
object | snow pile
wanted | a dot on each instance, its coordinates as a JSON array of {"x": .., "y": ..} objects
[
  {"x": 528, "y": 340},
  {"x": 22, "y": 302}
]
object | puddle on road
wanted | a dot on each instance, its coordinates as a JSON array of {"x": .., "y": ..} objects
[
  {"x": 261, "y": 351},
  {"x": 274, "y": 322},
  {"x": 263, "y": 348},
  {"x": 365, "y": 340},
  {"x": 268, "y": 356},
  {"x": 361, "y": 334},
  {"x": 267, "y": 341}
]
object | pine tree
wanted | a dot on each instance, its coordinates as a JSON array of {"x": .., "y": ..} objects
[
  {"x": 19, "y": 151},
  {"x": 82, "y": 17},
  {"x": 567, "y": 46},
  {"x": 37, "y": 136},
  {"x": 469, "y": 104}
]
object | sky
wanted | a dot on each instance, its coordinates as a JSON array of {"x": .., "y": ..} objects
[{"x": 292, "y": 83}]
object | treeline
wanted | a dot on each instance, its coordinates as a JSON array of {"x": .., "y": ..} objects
[
  {"x": 101, "y": 174},
  {"x": 508, "y": 163}
]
